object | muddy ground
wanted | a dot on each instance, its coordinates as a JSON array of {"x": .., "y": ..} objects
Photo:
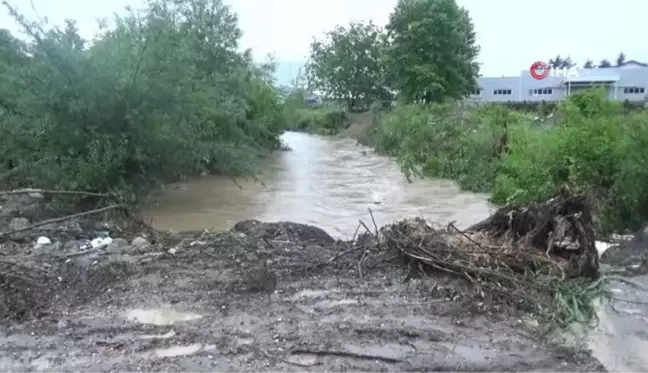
[{"x": 181, "y": 304}]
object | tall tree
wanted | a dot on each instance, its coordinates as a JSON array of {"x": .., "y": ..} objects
[
  {"x": 567, "y": 63},
  {"x": 432, "y": 51},
  {"x": 621, "y": 59},
  {"x": 604, "y": 64},
  {"x": 346, "y": 65},
  {"x": 556, "y": 63},
  {"x": 589, "y": 64}
]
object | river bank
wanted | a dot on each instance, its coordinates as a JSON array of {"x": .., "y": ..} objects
[{"x": 178, "y": 302}]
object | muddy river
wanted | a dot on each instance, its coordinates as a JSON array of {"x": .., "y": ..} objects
[{"x": 333, "y": 182}]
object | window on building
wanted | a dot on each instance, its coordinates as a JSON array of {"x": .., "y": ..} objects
[
  {"x": 634, "y": 90},
  {"x": 477, "y": 91},
  {"x": 540, "y": 91},
  {"x": 502, "y": 92}
]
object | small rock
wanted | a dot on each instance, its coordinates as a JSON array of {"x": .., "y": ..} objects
[
  {"x": 18, "y": 223},
  {"x": 140, "y": 242},
  {"x": 118, "y": 245},
  {"x": 72, "y": 246},
  {"x": 42, "y": 240},
  {"x": 100, "y": 242},
  {"x": 49, "y": 248}
]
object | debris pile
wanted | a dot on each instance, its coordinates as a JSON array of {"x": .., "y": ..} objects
[{"x": 519, "y": 254}]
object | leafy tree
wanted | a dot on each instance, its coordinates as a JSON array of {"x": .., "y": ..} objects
[
  {"x": 561, "y": 63},
  {"x": 567, "y": 63},
  {"x": 346, "y": 65},
  {"x": 621, "y": 59},
  {"x": 432, "y": 51},
  {"x": 589, "y": 64},
  {"x": 556, "y": 63},
  {"x": 604, "y": 64},
  {"x": 165, "y": 93}
]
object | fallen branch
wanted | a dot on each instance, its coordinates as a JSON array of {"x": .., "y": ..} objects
[
  {"x": 58, "y": 220},
  {"x": 49, "y": 191},
  {"x": 344, "y": 354},
  {"x": 301, "y": 365}
]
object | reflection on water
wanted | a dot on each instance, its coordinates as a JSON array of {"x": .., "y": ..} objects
[
  {"x": 328, "y": 182},
  {"x": 331, "y": 183}
]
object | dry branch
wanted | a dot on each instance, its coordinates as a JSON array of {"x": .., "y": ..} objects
[
  {"x": 517, "y": 253},
  {"x": 49, "y": 191},
  {"x": 58, "y": 220}
]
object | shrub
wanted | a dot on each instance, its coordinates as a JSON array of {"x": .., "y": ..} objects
[
  {"x": 446, "y": 141},
  {"x": 164, "y": 94},
  {"x": 594, "y": 150},
  {"x": 325, "y": 121},
  {"x": 597, "y": 148}
]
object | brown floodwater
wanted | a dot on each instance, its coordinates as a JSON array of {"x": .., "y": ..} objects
[
  {"x": 333, "y": 182},
  {"x": 324, "y": 181}
]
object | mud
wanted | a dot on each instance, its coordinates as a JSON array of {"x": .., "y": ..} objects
[{"x": 178, "y": 304}]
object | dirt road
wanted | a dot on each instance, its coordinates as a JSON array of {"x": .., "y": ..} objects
[{"x": 182, "y": 307}]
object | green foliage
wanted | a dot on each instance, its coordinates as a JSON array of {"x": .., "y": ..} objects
[
  {"x": 346, "y": 65},
  {"x": 445, "y": 141},
  {"x": 596, "y": 148},
  {"x": 324, "y": 121},
  {"x": 432, "y": 51},
  {"x": 164, "y": 94}
]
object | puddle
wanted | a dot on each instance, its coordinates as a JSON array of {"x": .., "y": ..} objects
[{"x": 160, "y": 316}]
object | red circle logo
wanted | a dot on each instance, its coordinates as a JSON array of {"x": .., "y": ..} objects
[{"x": 539, "y": 70}]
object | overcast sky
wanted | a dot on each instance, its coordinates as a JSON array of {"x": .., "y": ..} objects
[{"x": 512, "y": 33}]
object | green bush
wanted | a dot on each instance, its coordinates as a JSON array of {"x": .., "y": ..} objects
[
  {"x": 164, "y": 94},
  {"x": 597, "y": 148},
  {"x": 446, "y": 141},
  {"x": 325, "y": 121}
]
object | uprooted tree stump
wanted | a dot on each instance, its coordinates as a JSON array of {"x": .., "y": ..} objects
[
  {"x": 561, "y": 227},
  {"x": 520, "y": 253}
]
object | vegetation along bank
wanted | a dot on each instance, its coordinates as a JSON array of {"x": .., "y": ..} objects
[
  {"x": 164, "y": 94},
  {"x": 518, "y": 153}
]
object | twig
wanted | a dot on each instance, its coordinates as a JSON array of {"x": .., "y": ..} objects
[
  {"x": 364, "y": 255},
  {"x": 355, "y": 234},
  {"x": 465, "y": 235},
  {"x": 374, "y": 221},
  {"x": 79, "y": 253},
  {"x": 58, "y": 220},
  {"x": 301, "y": 365},
  {"x": 350, "y": 246},
  {"x": 345, "y": 354},
  {"x": 48, "y": 191},
  {"x": 365, "y": 226},
  {"x": 338, "y": 255}
]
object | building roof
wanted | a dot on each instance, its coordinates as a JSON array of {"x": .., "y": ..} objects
[
  {"x": 592, "y": 78},
  {"x": 634, "y": 62}
]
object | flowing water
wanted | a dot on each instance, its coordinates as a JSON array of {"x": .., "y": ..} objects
[
  {"x": 332, "y": 183},
  {"x": 328, "y": 182}
]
